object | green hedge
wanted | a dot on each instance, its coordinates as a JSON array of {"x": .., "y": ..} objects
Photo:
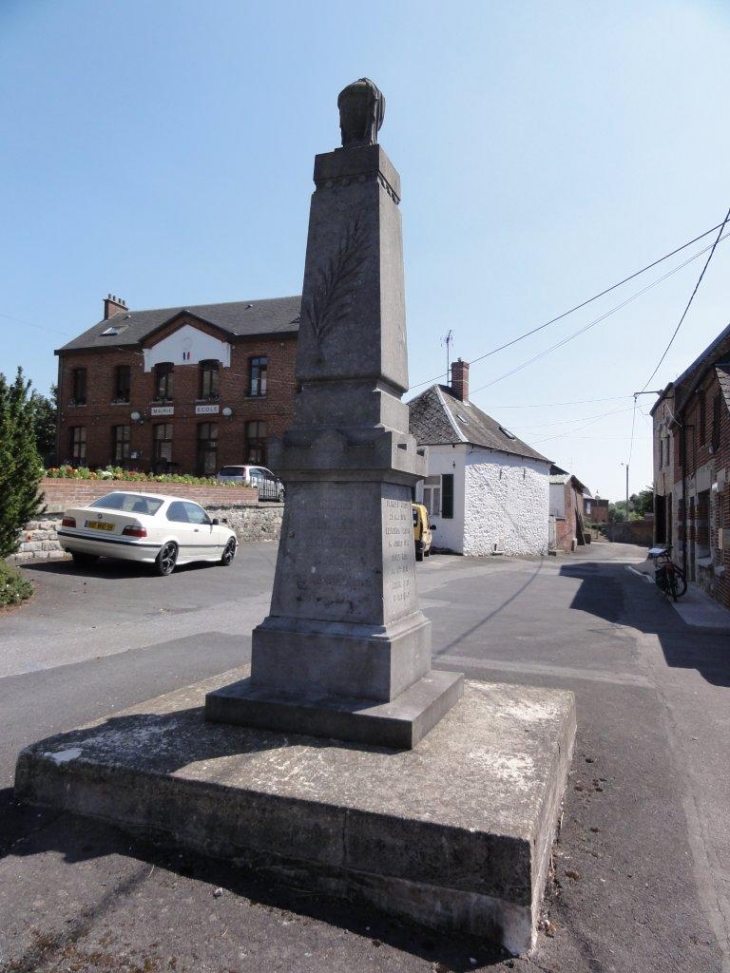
[{"x": 13, "y": 586}]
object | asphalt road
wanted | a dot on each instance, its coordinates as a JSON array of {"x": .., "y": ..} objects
[{"x": 642, "y": 867}]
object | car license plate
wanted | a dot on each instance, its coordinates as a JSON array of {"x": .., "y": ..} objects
[{"x": 99, "y": 525}]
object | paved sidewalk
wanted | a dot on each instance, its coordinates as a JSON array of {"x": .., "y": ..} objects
[{"x": 695, "y": 607}]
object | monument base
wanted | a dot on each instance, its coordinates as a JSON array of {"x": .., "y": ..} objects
[
  {"x": 455, "y": 834},
  {"x": 400, "y": 724}
]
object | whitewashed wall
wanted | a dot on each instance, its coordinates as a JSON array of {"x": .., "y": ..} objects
[
  {"x": 506, "y": 503},
  {"x": 449, "y": 533}
]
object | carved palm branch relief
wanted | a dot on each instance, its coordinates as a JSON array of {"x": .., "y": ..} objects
[{"x": 336, "y": 283}]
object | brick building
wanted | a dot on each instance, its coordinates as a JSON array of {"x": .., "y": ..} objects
[
  {"x": 185, "y": 390},
  {"x": 568, "y": 497},
  {"x": 692, "y": 468}
]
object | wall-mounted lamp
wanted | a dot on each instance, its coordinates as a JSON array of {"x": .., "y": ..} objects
[
  {"x": 137, "y": 417},
  {"x": 227, "y": 411}
]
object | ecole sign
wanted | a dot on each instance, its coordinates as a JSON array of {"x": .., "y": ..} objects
[{"x": 207, "y": 410}]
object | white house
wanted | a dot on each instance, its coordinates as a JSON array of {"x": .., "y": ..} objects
[{"x": 487, "y": 492}]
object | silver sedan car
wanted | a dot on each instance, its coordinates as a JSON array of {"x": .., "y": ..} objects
[{"x": 146, "y": 527}]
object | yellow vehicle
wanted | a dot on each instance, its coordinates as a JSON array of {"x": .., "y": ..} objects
[{"x": 421, "y": 531}]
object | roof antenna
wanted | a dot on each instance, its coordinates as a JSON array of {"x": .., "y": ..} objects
[{"x": 447, "y": 341}]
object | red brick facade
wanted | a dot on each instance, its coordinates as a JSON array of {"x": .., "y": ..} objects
[
  {"x": 110, "y": 416},
  {"x": 692, "y": 469}
]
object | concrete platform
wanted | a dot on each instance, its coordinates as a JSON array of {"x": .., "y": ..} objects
[
  {"x": 400, "y": 724},
  {"x": 455, "y": 833}
]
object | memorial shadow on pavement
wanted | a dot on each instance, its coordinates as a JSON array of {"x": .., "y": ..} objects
[
  {"x": 618, "y": 596},
  {"x": 30, "y": 830}
]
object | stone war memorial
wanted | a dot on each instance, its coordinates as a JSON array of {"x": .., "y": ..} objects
[{"x": 341, "y": 758}]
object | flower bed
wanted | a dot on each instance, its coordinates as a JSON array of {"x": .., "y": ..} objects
[{"x": 113, "y": 473}]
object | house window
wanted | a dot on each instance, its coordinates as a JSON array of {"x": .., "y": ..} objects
[
  {"x": 207, "y": 448},
  {"x": 438, "y": 495},
  {"x": 122, "y": 383},
  {"x": 162, "y": 447},
  {"x": 208, "y": 380},
  {"x": 164, "y": 373},
  {"x": 716, "y": 414},
  {"x": 257, "y": 368},
  {"x": 120, "y": 444},
  {"x": 78, "y": 445},
  {"x": 255, "y": 446},
  {"x": 78, "y": 396},
  {"x": 432, "y": 495}
]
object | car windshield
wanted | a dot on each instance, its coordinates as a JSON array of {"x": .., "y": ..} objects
[{"x": 129, "y": 502}]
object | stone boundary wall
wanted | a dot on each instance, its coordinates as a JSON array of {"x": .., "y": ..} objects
[
  {"x": 634, "y": 532},
  {"x": 251, "y": 520}
]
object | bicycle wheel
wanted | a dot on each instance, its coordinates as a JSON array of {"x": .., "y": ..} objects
[
  {"x": 680, "y": 582},
  {"x": 672, "y": 585}
]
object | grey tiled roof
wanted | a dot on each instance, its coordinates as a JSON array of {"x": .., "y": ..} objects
[
  {"x": 438, "y": 418},
  {"x": 238, "y": 318}
]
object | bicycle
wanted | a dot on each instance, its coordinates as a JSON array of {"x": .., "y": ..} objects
[{"x": 668, "y": 576}]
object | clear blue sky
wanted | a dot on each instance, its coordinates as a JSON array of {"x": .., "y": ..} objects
[{"x": 162, "y": 151}]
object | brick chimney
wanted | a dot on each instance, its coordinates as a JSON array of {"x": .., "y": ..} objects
[
  {"x": 113, "y": 305},
  {"x": 460, "y": 379}
]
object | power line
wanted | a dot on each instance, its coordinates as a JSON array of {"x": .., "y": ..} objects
[
  {"x": 554, "y": 405},
  {"x": 598, "y": 320},
  {"x": 39, "y": 326},
  {"x": 571, "y": 432},
  {"x": 590, "y": 300},
  {"x": 563, "y": 422},
  {"x": 692, "y": 297}
]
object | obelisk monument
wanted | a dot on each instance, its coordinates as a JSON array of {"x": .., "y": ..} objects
[{"x": 345, "y": 651}]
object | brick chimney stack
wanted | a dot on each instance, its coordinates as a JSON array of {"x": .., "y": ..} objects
[
  {"x": 113, "y": 305},
  {"x": 460, "y": 379}
]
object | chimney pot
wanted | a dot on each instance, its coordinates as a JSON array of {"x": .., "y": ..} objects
[{"x": 113, "y": 305}]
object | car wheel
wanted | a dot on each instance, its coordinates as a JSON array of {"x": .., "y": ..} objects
[
  {"x": 167, "y": 559},
  {"x": 419, "y": 552},
  {"x": 84, "y": 560},
  {"x": 229, "y": 552}
]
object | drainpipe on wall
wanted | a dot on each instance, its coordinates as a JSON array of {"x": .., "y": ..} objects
[{"x": 59, "y": 400}]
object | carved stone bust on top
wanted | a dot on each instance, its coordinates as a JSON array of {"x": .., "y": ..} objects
[{"x": 362, "y": 109}]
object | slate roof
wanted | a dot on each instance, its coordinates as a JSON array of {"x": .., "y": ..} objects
[
  {"x": 681, "y": 388},
  {"x": 239, "y": 319},
  {"x": 438, "y": 418}
]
